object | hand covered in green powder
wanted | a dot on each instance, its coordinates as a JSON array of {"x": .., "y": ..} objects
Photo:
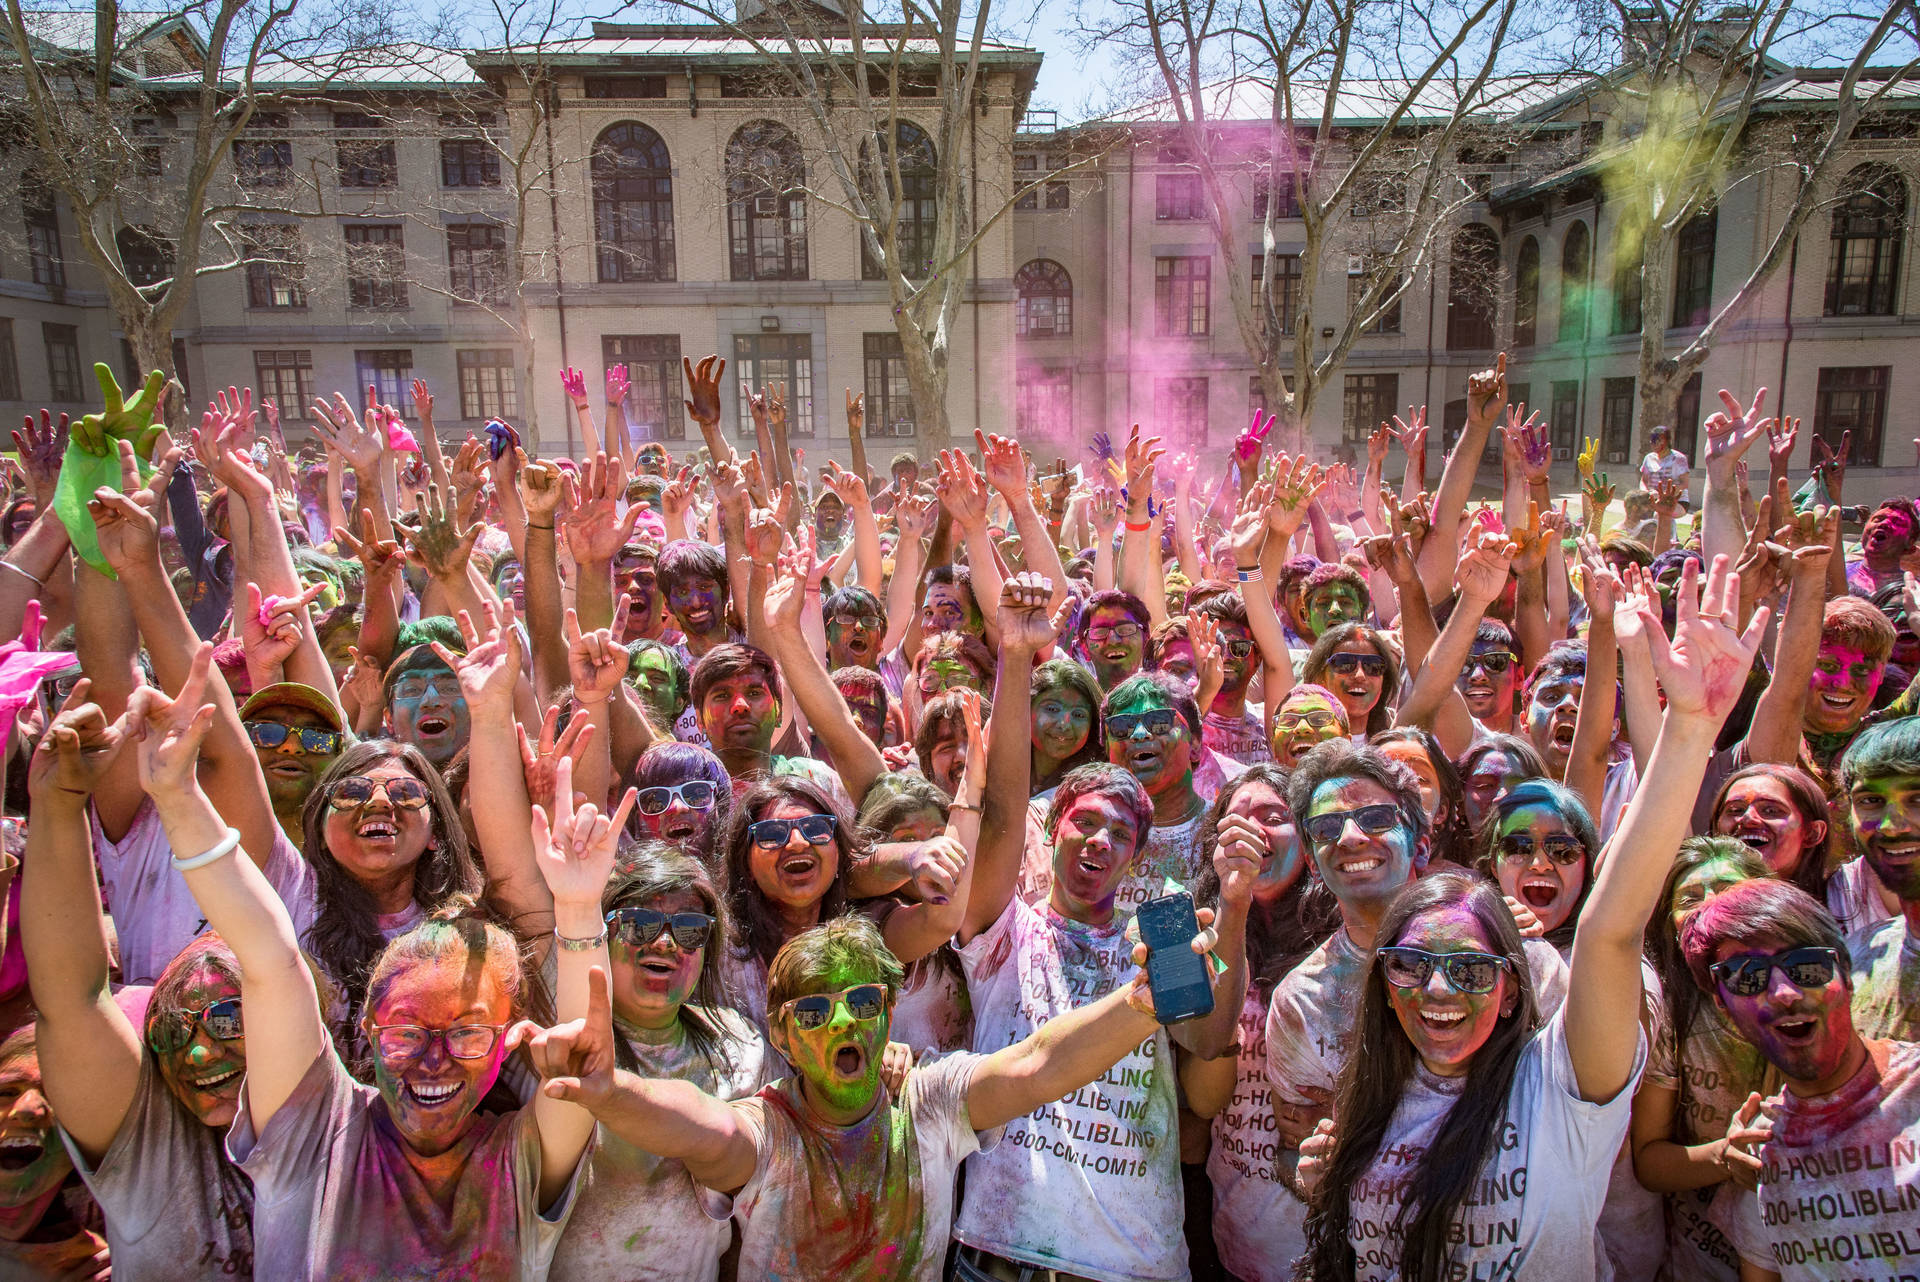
[{"x": 127, "y": 419}]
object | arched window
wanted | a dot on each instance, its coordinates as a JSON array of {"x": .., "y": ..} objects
[
  {"x": 766, "y": 203},
  {"x": 1863, "y": 265},
  {"x": 1473, "y": 278},
  {"x": 918, "y": 215},
  {"x": 1526, "y": 294},
  {"x": 1693, "y": 270},
  {"x": 1045, "y": 306},
  {"x": 1576, "y": 279},
  {"x": 147, "y": 258},
  {"x": 633, "y": 204}
]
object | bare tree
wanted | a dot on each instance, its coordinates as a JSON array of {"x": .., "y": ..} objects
[{"x": 1692, "y": 120}]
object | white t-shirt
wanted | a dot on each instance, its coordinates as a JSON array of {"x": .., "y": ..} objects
[
  {"x": 1886, "y": 981},
  {"x": 1310, "y": 1019},
  {"x": 1653, "y": 468},
  {"x": 1259, "y": 1215},
  {"x": 1853, "y": 897},
  {"x": 1534, "y": 1211},
  {"x": 868, "y": 1201},
  {"x": 1091, "y": 1184},
  {"x": 154, "y": 914},
  {"x": 640, "y": 1217},
  {"x": 1839, "y": 1193},
  {"x": 1171, "y": 853}
]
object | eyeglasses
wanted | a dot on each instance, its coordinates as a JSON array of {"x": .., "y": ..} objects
[
  {"x": 410, "y": 1041},
  {"x": 1237, "y": 649},
  {"x": 1494, "y": 661},
  {"x": 1564, "y": 851},
  {"x": 171, "y": 1031},
  {"x": 863, "y": 1001},
  {"x": 412, "y": 688},
  {"x": 1325, "y": 829},
  {"x": 871, "y": 622},
  {"x": 694, "y": 794},
  {"x": 1348, "y": 664},
  {"x": 1291, "y": 721},
  {"x": 1465, "y": 972},
  {"x": 1118, "y": 632},
  {"x": 1121, "y": 725},
  {"x": 1749, "y": 976},
  {"x": 639, "y": 927},
  {"x": 355, "y": 792},
  {"x": 771, "y": 834},
  {"x": 271, "y": 734}
]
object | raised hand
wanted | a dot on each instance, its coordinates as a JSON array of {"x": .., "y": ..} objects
[
  {"x": 574, "y": 383},
  {"x": 1004, "y": 463},
  {"x": 1731, "y": 434},
  {"x": 1482, "y": 572},
  {"x": 575, "y": 847},
  {"x": 1392, "y": 554},
  {"x": 1209, "y": 657},
  {"x": 126, "y": 521},
  {"x": 1104, "y": 511},
  {"x": 540, "y": 490},
  {"x": 1589, "y": 452},
  {"x": 79, "y": 747},
  {"x": 1600, "y": 586},
  {"x": 1023, "y": 619},
  {"x": 540, "y": 762},
  {"x": 596, "y": 662},
  {"x": 1832, "y": 465},
  {"x": 1141, "y": 457},
  {"x": 1666, "y": 497},
  {"x": 1411, "y": 432},
  {"x": 1599, "y": 492},
  {"x": 124, "y": 418},
  {"x": 272, "y": 627},
  {"x": 1487, "y": 391},
  {"x": 169, "y": 731},
  {"x": 913, "y": 515},
  {"x": 1747, "y": 1130},
  {"x": 575, "y": 1060},
  {"x": 677, "y": 499},
  {"x": 856, "y": 413},
  {"x": 703, "y": 388},
  {"x": 1525, "y": 445},
  {"x": 1297, "y": 482},
  {"x": 961, "y": 490},
  {"x": 848, "y": 487},
  {"x": 443, "y": 543},
  {"x": 595, "y": 530},
  {"x": 1246, "y": 449},
  {"x": 380, "y": 559},
  {"x": 236, "y": 406},
  {"x": 1704, "y": 668},
  {"x": 1379, "y": 443},
  {"x": 41, "y": 448},
  {"x": 359, "y": 444}
]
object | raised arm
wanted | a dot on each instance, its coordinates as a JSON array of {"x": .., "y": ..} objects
[
  {"x": 1486, "y": 397},
  {"x": 911, "y": 518},
  {"x": 851, "y": 488},
  {"x": 574, "y": 383},
  {"x": 285, "y": 1032},
  {"x": 89, "y": 1051},
  {"x": 1433, "y": 700},
  {"x": 964, "y": 495},
  {"x": 541, "y": 486},
  {"x": 1775, "y": 732},
  {"x": 1006, "y": 471},
  {"x": 946, "y": 880},
  {"x": 1703, "y": 670},
  {"x": 1729, "y": 436},
  {"x": 855, "y": 757},
  {"x": 596, "y": 531}
]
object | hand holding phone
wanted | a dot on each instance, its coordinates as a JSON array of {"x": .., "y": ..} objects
[{"x": 1180, "y": 978}]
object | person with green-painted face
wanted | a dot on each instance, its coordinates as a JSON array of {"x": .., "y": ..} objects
[
  {"x": 829, "y": 1173},
  {"x": 1880, "y": 779},
  {"x": 1333, "y": 594},
  {"x": 425, "y": 707},
  {"x": 656, "y": 670},
  {"x": 856, "y": 624}
]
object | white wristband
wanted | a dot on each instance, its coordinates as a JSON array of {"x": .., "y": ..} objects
[{"x": 221, "y": 849}]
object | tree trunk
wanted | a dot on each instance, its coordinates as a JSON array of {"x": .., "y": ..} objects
[{"x": 927, "y": 375}]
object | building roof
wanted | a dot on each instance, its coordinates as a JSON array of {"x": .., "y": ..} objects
[
  {"x": 672, "y": 46},
  {"x": 390, "y": 67},
  {"x": 71, "y": 30},
  {"x": 1358, "y": 102}
]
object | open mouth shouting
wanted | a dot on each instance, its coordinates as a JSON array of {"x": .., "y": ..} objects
[
  {"x": 18, "y": 1152},
  {"x": 850, "y": 1062},
  {"x": 379, "y": 829},
  {"x": 798, "y": 867},
  {"x": 1539, "y": 890},
  {"x": 432, "y": 726},
  {"x": 1145, "y": 761}
]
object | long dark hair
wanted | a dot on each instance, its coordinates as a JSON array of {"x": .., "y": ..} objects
[
  {"x": 1452, "y": 835},
  {"x": 659, "y": 868},
  {"x": 1377, "y": 1071},
  {"x": 1662, "y": 941},
  {"x": 756, "y": 929},
  {"x": 345, "y": 936},
  {"x": 1564, "y": 802},
  {"x": 1813, "y": 872},
  {"x": 1380, "y": 716},
  {"x": 1279, "y": 934},
  {"x": 670, "y": 762},
  {"x": 1065, "y": 674}
]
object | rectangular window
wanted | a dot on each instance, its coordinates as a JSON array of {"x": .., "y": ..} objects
[
  {"x": 1286, "y": 288},
  {"x": 365, "y": 162},
  {"x": 477, "y": 263},
  {"x": 1853, "y": 398},
  {"x": 1181, "y": 296},
  {"x": 488, "y": 388},
  {"x": 1686, "y": 417},
  {"x": 376, "y": 267},
  {"x": 276, "y": 267},
  {"x": 9, "y": 363},
  {"x": 889, "y": 394},
  {"x": 63, "y": 361},
  {"x": 1177, "y": 198},
  {"x": 1563, "y": 417},
  {"x": 286, "y": 379},
  {"x": 469, "y": 162},
  {"x": 1180, "y": 411},
  {"x": 1388, "y": 321},
  {"x": 1367, "y": 401},
  {"x": 1058, "y": 196},
  {"x": 43, "y": 239},
  {"x": 654, "y": 410},
  {"x": 1043, "y": 402},
  {"x": 1025, "y": 167},
  {"x": 1285, "y": 200},
  {"x": 762, "y": 359},
  {"x": 1626, "y": 293},
  {"x": 1616, "y": 419},
  {"x": 1693, "y": 271},
  {"x": 389, "y": 371},
  {"x": 626, "y": 86},
  {"x": 263, "y": 162}
]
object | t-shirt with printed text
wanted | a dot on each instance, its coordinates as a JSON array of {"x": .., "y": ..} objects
[
  {"x": 1259, "y": 1213},
  {"x": 1886, "y": 981}
]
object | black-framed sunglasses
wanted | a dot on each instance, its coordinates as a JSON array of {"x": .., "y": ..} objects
[
  {"x": 356, "y": 792},
  {"x": 1495, "y": 662},
  {"x": 1565, "y": 851},
  {"x": 1121, "y": 725},
  {"x": 637, "y": 928},
  {"x": 1325, "y": 829},
  {"x": 169, "y": 1032},
  {"x": 1748, "y": 976},
  {"x": 271, "y": 734},
  {"x": 694, "y": 794},
  {"x": 410, "y": 1041},
  {"x": 771, "y": 834},
  {"x": 1465, "y": 972},
  {"x": 864, "y": 1002},
  {"x": 1348, "y": 664}
]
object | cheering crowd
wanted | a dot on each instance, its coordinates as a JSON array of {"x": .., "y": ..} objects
[{"x": 440, "y": 861}]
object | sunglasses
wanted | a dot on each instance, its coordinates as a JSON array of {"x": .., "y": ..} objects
[
  {"x": 355, "y": 792},
  {"x": 1465, "y": 972},
  {"x": 1564, "y": 851},
  {"x": 638, "y": 927},
  {"x": 410, "y": 1041},
  {"x": 171, "y": 1031},
  {"x": 1119, "y": 632},
  {"x": 1324, "y": 830},
  {"x": 863, "y": 1001},
  {"x": 771, "y": 834},
  {"x": 1291, "y": 721},
  {"x": 1121, "y": 725},
  {"x": 1804, "y": 968},
  {"x": 271, "y": 734},
  {"x": 695, "y": 794},
  {"x": 1348, "y": 664},
  {"x": 1494, "y": 661},
  {"x": 1237, "y": 649}
]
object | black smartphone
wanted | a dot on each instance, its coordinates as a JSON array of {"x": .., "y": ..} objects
[{"x": 1182, "y": 988}]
